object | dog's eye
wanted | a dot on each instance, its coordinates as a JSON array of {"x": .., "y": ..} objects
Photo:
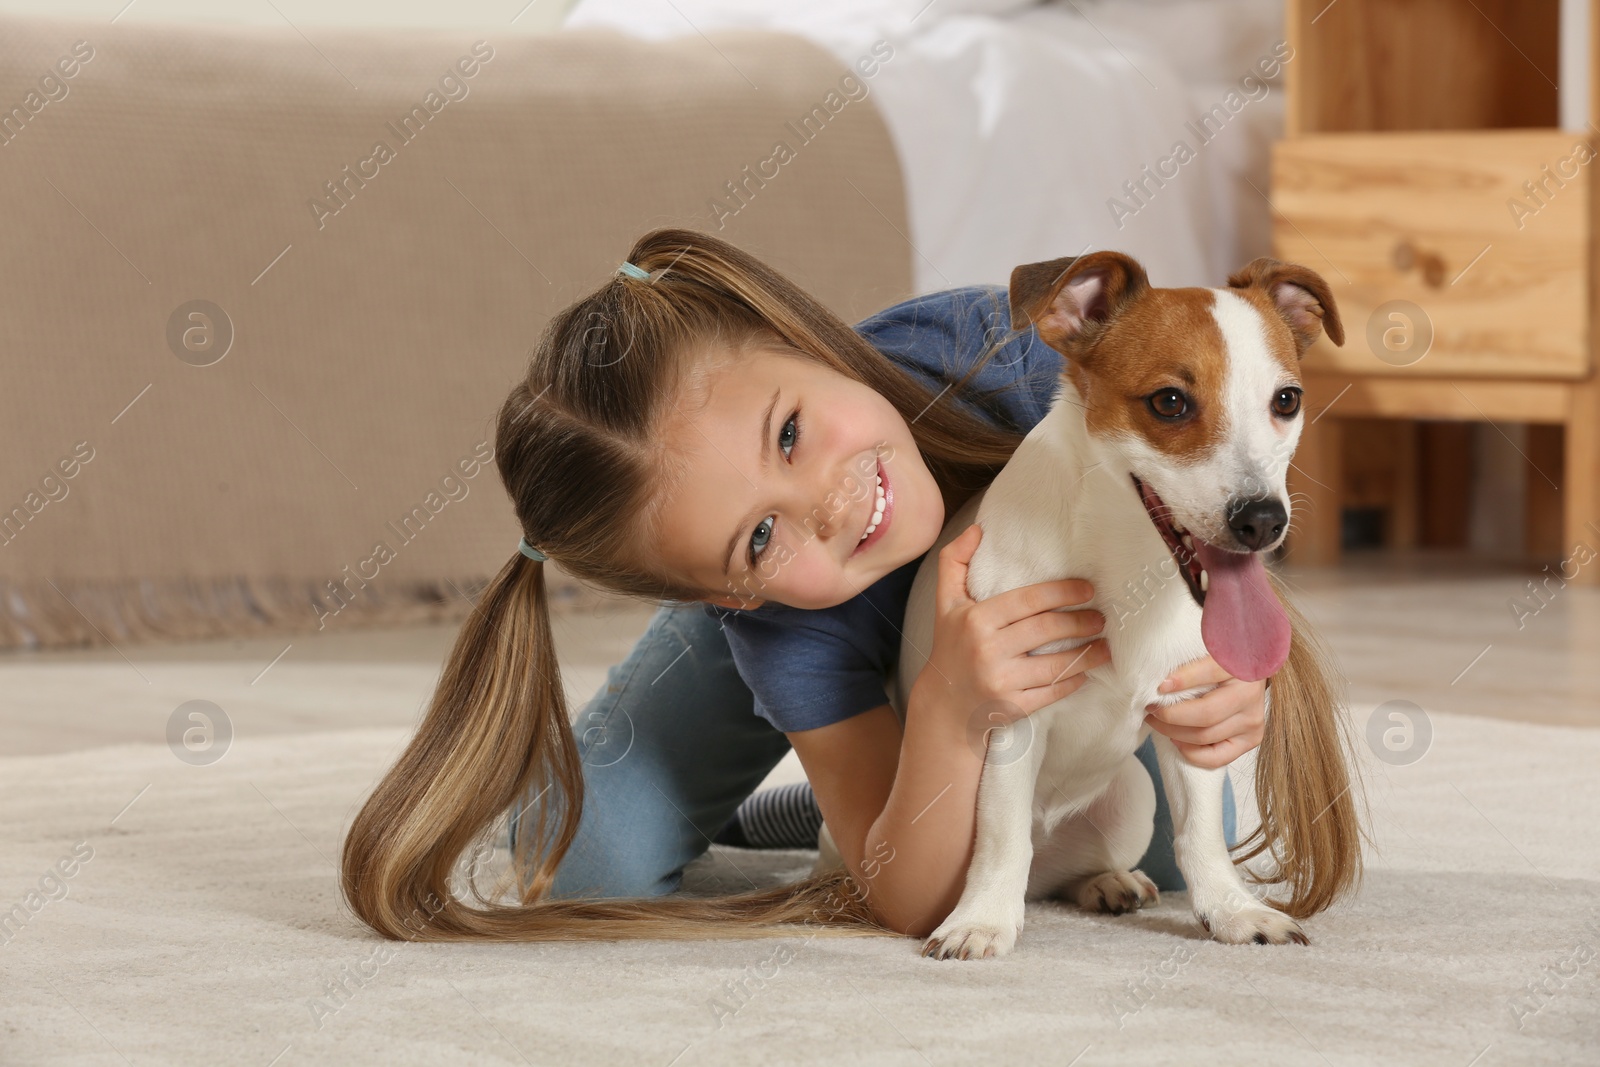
[
  {"x": 1168, "y": 403},
  {"x": 1287, "y": 403}
]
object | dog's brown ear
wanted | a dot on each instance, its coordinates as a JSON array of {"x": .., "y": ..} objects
[
  {"x": 1301, "y": 296},
  {"x": 1060, "y": 296},
  {"x": 1033, "y": 285}
]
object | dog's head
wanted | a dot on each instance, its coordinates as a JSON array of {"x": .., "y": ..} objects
[{"x": 1197, "y": 392}]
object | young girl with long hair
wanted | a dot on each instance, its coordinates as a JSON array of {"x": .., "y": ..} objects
[{"x": 702, "y": 434}]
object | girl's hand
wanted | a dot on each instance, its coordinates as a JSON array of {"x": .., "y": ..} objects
[
  {"x": 979, "y": 669},
  {"x": 1216, "y": 728}
]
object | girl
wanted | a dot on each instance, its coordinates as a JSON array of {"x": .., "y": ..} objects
[{"x": 702, "y": 433}]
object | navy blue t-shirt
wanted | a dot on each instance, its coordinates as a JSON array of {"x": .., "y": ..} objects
[{"x": 814, "y": 667}]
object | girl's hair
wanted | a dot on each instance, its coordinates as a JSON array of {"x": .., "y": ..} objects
[
  {"x": 1312, "y": 807},
  {"x": 579, "y": 446}
]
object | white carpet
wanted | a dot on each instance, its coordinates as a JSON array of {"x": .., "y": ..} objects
[{"x": 206, "y": 928}]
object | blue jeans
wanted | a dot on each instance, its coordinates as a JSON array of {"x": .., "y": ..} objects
[{"x": 672, "y": 745}]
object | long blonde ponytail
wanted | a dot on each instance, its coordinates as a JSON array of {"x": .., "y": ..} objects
[{"x": 577, "y": 446}]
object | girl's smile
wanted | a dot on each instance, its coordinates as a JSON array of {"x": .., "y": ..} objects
[
  {"x": 776, "y": 476},
  {"x": 883, "y": 508}
]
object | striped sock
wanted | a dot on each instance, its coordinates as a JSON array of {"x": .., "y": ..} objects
[{"x": 784, "y": 816}]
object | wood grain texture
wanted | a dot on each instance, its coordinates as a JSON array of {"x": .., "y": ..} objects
[
  {"x": 1314, "y": 480},
  {"x": 1379, "y": 472},
  {"x": 1580, "y": 485},
  {"x": 1440, "y": 398},
  {"x": 1505, "y": 288},
  {"x": 1445, "y": 483},
  {"x": 1422, "y": 165},
  {"x": 1365, "y": 65},
  {"x": 1543, "y": 531}
]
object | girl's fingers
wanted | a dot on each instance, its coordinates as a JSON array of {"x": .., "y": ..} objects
[
  {"x": 1044, "y": 695},
  {"x": 1066, "y": 664},
  {"x": 951, "y": 586},
  {"x": 1211, "y": 756},
  {"x": 1208, "y": 709},
  {"x": 1024, "y": 602},
  {"x": 1067, "y": 667},
  {"x": 1020, "y": 638},
  {"x": 1202, "y": 671},
  {"x": 1234, "y": 727}
]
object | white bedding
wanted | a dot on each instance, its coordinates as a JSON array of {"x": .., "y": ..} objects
[{"x": 1017, "y": 129}]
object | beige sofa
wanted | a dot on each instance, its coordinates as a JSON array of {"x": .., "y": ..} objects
[{"x": 262, "y": 296}]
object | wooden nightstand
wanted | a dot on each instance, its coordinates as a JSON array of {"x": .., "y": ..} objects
[{"x": 1424, "y": 174}]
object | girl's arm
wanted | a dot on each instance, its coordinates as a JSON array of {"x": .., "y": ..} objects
[
  {"x": 901, "y": 802},
  {"x": 901, "y": 806}
]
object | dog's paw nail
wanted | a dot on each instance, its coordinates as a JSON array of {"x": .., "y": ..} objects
[
  {"x": 977, "y": 941},
  {"x": 1116, "y": 892},
  {"x": 1298, "y": 938},
  {"x": 1256, "y": 924}
]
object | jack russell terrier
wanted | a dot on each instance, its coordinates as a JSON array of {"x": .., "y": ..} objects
[{"x": 1158, "y": 475}]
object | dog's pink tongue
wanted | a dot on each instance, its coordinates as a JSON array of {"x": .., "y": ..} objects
[{"x": 1244, "y": 627}]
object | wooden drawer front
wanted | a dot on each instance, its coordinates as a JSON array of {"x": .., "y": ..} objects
[{"x": 1506, "y": 291}]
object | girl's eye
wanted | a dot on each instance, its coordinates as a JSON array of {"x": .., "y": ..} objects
[
  {"x": 762, "y": 536},
  {"x": 1168, "y": 403},
  {"x": 1287, "y": 403},
  {"x": 791, "y": 432},
  {"x": 759, "y": 539}
]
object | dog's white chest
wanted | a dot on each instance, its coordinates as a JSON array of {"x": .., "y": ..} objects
[{"x": 1100, "y": 533}]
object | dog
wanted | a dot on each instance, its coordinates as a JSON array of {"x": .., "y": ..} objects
[{"x": 1158, "y": 475}]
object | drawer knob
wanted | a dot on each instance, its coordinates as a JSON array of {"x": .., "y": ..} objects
[{"x": 1407, "y": 255}]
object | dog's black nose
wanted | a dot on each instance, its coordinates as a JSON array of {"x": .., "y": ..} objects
[{"x": 1257, "y": 523}]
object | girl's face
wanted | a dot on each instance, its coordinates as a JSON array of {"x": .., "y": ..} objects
[{"x": 779, "y": 486}]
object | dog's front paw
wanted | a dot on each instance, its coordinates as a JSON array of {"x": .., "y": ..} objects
[
  {"x": 1255, "y": 924},
  {"x": 1117, "y": 892},
  {"x": 971, "y": 940}
]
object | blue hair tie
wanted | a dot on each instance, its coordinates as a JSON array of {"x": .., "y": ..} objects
[
  {"x": 634, "y": 272},
  {"x": 529, "y": 551}
]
